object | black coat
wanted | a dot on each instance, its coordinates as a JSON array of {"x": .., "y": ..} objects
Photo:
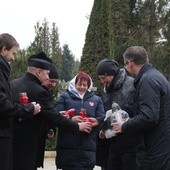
[
  {"x": 43, "y": 137},
  {"x": 152, "y": 119},
  {"x": 8, "y": 110},
  {"x": 121, "y": 91},
  {"x": 27, "y": 131}
]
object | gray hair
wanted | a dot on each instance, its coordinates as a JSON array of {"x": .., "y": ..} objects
[{"x": 137, "y": 54}]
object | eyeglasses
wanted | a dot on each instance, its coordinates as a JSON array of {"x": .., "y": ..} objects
[{"x": 125, "y": 63}]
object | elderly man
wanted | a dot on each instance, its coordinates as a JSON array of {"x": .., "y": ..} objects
[
  {"x": 48, "y": 132},
  {"x": 27, "y": 131}
]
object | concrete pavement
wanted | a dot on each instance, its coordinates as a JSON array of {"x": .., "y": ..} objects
[{"x": 49, "y": 164}]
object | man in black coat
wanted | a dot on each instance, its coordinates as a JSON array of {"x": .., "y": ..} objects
[
  {"x": 8, "y": 109},
  {"x": 152, "y": 111},
  {"x": 48, "y": 132},
  {"x": 118, "y": 152},
  {"x": 27, "y": 131}
]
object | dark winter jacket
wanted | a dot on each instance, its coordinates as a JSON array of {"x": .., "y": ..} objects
[
  {"x": 8, "y": 110},
  {"x": 152, "y": 119},
  {"x": 77, "y": 151},
  {"x": 43, "y": 136},
  {"x": 27, "y": 131},
  {"x": 121, "y": 91}
]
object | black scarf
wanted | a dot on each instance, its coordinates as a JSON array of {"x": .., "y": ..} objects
[
  {"x": 5, "y": 67},
  {"x": 117, "y": 82}
]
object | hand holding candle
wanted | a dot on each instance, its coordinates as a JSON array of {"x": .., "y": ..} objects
[
  {"x": 84, "y": 114},
  {"x": 70, "y": 112}
]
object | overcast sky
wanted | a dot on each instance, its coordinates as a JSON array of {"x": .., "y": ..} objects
[{"x": 18, "y": 17}]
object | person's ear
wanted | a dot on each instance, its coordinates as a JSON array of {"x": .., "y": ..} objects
[
  {"x": 38, "y": 72},
  {"x": 3, "y": 50}
]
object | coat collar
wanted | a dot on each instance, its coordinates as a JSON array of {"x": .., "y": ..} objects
[
  {"x": 33, "y": 78},
  {"x": 143, "y": 70},
  {"x": 117, "y": 82}
]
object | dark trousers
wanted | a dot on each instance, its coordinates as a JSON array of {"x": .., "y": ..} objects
[
  {"x": 103, "y": 168},
  {"x": 125, "y": 161},
  {"x": 6, "y": 153}
]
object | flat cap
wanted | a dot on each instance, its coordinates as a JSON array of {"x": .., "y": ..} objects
[{"x": 40, "y": 60}]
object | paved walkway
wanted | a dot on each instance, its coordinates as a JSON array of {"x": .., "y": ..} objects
[{"x": 49, "y": 164}]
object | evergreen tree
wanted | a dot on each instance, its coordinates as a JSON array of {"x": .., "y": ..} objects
[
  {"x": 19, "y": 65},
  {"x": 67, "y": 64},
  {"x": 162, "y": 56},
  {"x": 46, "y": 40},
  {"x": 76, "y": 67},
  {"x": 55, "y": 47},
  {"x": 97, "y": 40},
  {"x": 114, "y": 26},
  {"x": 42, "y": 37}
]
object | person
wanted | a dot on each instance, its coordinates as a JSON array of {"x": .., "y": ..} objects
[
  {"x": 51, "y": 83},
  {"x": 118, "y": 152},
  {"x": 48, "y": 132},
  {"x": 27, "y": 131},
  {"x": 77, "y": 151},
  {"x": 152, "y": 107},
  {"x": 8, "y": 109}
]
